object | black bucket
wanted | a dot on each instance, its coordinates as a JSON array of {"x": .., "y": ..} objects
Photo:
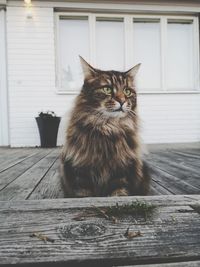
[{"x": 48, "y": 129}]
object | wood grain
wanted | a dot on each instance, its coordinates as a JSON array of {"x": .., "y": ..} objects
[
  {"x": 50, "y": 186},
  {"x": 188, "y": 174},
  {"x": 190, "y": 160},
  {"x": 22, "y": 187},
  {"x": 170, "y": 237},
  {"x": 177, "y": 264},
  {"x": 170, "y": 234},
  {"x": 14, "y": 157},
  {"x": 170, "y": 182},
  {"x": 53, "y": 204},
  {"x": 158, "y": 189},
  {"x": 173, "y": 172},
  {"x": 10, "y": 174}
]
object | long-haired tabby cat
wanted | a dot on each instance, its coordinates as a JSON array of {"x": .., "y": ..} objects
[{"x": 101, "y": 155}]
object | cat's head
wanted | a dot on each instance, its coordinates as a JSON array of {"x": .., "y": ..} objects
[{"x": 111, "y": 93}]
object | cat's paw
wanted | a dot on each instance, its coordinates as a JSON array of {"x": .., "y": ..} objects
[
  {"x": 83, "y": 193},
  {"x": 120, "y": 192}
]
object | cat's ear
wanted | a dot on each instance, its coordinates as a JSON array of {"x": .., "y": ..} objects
[
  {"x": 133, "y": 71},
  {"x": 88, "y": 70}
]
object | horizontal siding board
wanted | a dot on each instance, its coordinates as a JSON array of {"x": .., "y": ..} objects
[
  {"x": 19, "y": 11},
  {"x": 29, "y": 71},
  {"x": 26, "y": 83},
  {"x": 40, "y": 46},
  {"x": 34, "y": 25}
]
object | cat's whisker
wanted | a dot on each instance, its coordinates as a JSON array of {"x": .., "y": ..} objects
[{"x": 132, "y": 112}]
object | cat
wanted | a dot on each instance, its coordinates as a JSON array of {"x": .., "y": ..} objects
[{"x": 102, "y": 155}]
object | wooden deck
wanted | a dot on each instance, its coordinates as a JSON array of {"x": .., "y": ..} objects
[
  {"x": 38, "y": 226},
  {"x": 33, "y": 173}
]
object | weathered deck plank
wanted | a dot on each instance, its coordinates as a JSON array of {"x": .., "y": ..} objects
[
  {"x": 191, "y": 161},
  {"x": 50, "y": 185},
  {"x": 22, "y": 187},
  {"x": 10, "y": 174},
  {"x": 170, "y": 182},
  {"x": 157, "y": 189},
  {"x": 173, "y": 171},
  {"x": 14, "y": 158},
  {"x": 187, "y": 174},
  {"x": 170, "y": 234},
  {"x": 178, "y": 264},
  {"x": 54, "y": 204},
  {"x": 6, "y": 153},
  {"x": 192, "y": 152}
]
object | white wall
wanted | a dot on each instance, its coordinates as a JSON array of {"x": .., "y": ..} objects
[
  {"x": 4, "y": 133},
  {"x": 170, "y": 118},
  {"x": 31, "y": 75}
]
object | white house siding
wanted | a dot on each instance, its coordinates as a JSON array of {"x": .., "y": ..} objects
[
  {"x": 170, "y": 118},
  {"x": 166, "y": 118},
  {"x": 4, "y": 135},
  {"x": 31, "y": 73}
]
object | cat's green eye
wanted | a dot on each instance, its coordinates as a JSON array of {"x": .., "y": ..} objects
[
  {"x": 127, "y": 92},
  {"x": 107, "y": 90}
]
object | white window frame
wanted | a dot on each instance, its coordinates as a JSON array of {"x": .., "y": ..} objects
[{"x": 129, "y": 47}]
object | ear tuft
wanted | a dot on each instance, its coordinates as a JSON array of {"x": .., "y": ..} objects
[
  {"x": 133, "y": 71},
  {"x": 88, "y": 70}
]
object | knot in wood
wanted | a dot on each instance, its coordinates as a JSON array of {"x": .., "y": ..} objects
[{"x": 82, "y": 231}]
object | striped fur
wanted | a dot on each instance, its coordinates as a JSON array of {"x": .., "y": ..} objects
[{"x": 102, "y": 155}]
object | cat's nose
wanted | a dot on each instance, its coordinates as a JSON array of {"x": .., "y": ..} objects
[
  {"x": 121, "y": 102},
  {"x": 121, "y": 99}
]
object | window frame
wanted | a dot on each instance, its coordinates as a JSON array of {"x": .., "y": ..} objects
[{"x": 129, "y": 47}]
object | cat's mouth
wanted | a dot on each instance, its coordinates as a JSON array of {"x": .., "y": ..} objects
[{"x": 117, "y": 110}]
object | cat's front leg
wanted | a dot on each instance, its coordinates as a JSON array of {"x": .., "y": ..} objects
[
  {"x": 75, "y": 181},
  {"x": 83, "y": 193},
  {"x": 120, "y": 192},
  {"x": 118, "y": 187}
]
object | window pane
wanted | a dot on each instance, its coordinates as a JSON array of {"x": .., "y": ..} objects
[
  {"x": 179, "y": 55},
  {"x": 74, "y": 41},
  {"x": 110, "y": 43},
  {"x": 146, "y": 50}
]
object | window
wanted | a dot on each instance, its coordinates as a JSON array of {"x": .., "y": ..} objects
[
  {"x": 73, "y": 41},
  {"x": 146, "y": 49},
  {"x": 180, "y": 54},
  {"x": 167, "y": 47},
  {"x": 109, "y": 32}
]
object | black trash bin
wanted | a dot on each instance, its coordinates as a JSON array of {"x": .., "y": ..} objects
[{"x": 48, "y": 129}]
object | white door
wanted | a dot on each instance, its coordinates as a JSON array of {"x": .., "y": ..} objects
[{"x": 4, "y": 140}]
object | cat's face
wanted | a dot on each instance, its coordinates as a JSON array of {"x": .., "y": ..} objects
[{"x": 111, "y": 93}]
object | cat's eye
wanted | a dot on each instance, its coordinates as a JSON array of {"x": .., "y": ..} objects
[
  {"x": 127, "y": 92},
  {"x": 107, "y": 90}
]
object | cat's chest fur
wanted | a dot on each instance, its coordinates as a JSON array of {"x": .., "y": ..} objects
[{"x": 102, "y": 149}]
